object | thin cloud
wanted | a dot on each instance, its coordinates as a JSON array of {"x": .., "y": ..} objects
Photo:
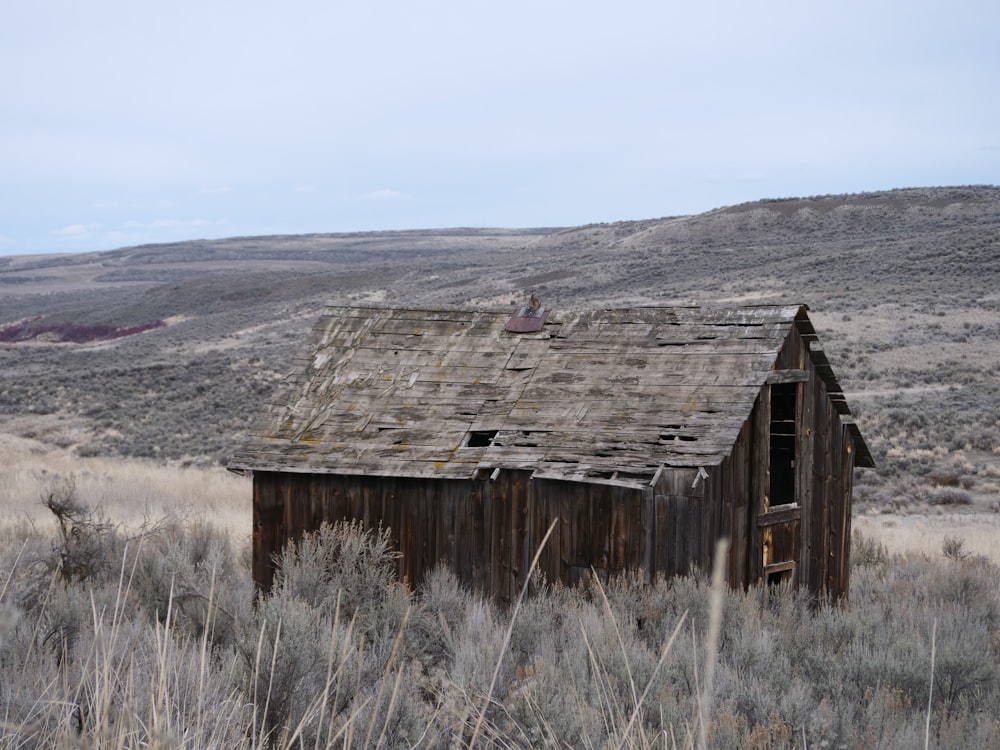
[
  {"x": 715, "y": 179},
  {"x": 76, "y": 230},
  {"x": 385, "y": 195},
  {"x": 170, "y": 223}
]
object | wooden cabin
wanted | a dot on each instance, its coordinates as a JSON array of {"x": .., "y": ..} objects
[{"x": 647, "y": 433}]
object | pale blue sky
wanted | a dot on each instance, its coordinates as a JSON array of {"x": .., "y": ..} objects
[{"x": 124, "y": 122}]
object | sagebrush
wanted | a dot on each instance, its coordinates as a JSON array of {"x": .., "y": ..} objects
[{"x": 172, "y": 647}]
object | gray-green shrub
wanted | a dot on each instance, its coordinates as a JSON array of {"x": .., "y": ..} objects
[{"x": 340, "y": 654}]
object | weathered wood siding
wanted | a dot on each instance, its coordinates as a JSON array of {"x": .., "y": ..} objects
[
  {"x": 488, "y": 531},
  {"x": 816, "y": 534}
]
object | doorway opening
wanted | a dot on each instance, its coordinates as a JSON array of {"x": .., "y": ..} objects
[{"x": 784, "y": 408}]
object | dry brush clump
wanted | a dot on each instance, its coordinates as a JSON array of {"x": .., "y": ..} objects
[{"x": 171, "y": 647}]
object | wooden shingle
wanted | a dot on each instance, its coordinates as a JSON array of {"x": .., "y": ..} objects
[{"x": 602, "y": 395}]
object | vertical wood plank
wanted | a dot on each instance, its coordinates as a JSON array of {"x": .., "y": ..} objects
[
  {"x": 484, "y": 533},
  {"x": 759, "y": 475},
  {"x": 846, "y": 498},
  {"x": 600, "y": 551},
  {"x": 500, "y": 563},
  {"x": 567, "y": 533},
  {"x": 663, "y": 547},
  {"x": 805, "y": 457},
  {"x": 743, "y": 488},
  {"x": 680, "y": 521},
  {"x": 647, "y": 553},
  {"x": 522, "y": 551}
]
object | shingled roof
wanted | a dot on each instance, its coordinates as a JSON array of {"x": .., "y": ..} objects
[{"x": 602, "y": 395}]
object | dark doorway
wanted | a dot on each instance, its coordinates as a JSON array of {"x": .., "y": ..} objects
[{"x": 784, "y": 407}]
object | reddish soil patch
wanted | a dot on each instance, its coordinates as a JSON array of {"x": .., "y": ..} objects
[{"x": 33, "y": 330}]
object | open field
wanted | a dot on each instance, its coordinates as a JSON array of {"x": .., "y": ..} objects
[{"x": 129, "y": 492}]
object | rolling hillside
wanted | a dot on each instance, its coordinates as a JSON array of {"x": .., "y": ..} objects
[{"x": 166, "y": 351}]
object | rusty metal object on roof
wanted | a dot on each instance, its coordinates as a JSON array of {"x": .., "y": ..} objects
[{"x": 528, "y": 318}]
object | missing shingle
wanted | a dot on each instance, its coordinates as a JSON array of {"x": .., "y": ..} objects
[{"x": 481, "y": 438}]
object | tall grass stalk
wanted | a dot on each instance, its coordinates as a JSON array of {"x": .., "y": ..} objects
[
  {"x": 712, "y": 641},
  {"x": 930, "y": 688}
]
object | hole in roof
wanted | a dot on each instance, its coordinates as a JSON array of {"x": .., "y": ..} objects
[
  {"x": 677, "y": 436},
  {"x": 481, "y": 438}
]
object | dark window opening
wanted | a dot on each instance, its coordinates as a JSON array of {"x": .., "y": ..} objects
[
  {"x": 778, "y": 577},
  {"x": 784, "y": 407},
  {"x": 481, "y": 438}
]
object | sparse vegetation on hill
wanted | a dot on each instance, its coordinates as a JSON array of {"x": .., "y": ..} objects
[{"x": 902, "y": 286}]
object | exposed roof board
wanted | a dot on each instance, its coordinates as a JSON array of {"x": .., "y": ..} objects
[{"x": 603, "y": 395}]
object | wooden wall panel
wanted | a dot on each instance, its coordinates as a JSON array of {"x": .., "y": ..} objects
[
  {"x": 522, "y": 550},
  {"x": 846, "y": 499},
  {"x": 804, "y": 480},
  {"x": 268, "y": 530},
  {"x": 712, "y": 509},
  {"x": 757, "y": 482},
  {"x": 600, "y": 524},
  {"x": 738, "y": 489}
]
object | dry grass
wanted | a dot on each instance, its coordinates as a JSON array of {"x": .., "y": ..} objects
[
  {"x": 165, "y": 648},
  {"x": 180, "y": 683},
  {"x": 926, "y": 533},
  {"x": 126, "y": 491}
]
